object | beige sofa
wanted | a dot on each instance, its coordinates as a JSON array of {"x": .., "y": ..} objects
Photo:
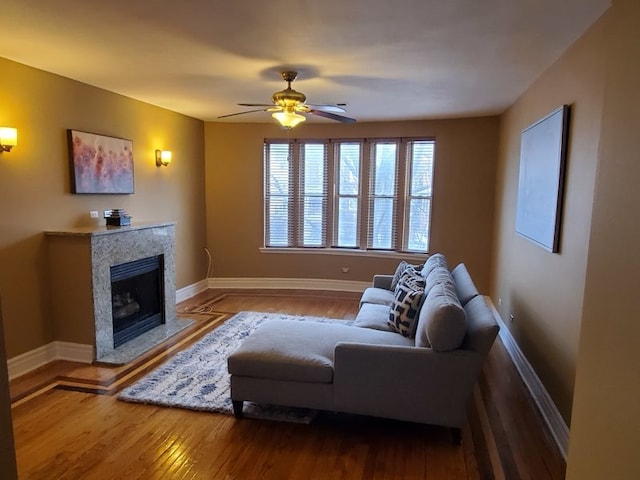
[{"x": 369, "y": 368}]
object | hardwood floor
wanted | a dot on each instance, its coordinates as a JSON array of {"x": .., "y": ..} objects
[{"x": 69, "y": 424}]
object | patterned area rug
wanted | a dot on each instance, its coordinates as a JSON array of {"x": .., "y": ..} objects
[{"x": 197, "y": 378}]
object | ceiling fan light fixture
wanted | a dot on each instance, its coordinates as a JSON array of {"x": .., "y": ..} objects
[
  {"x": 288, "y": 119},
  {"x": 288, "y": 104}
]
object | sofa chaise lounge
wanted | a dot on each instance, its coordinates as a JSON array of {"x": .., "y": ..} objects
[{"x": 377, "y": 365}]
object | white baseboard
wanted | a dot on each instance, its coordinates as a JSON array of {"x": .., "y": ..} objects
[
  {"x": 191, "y": 290},
  {"x": 289, "y": 283},
  {"x": 29, "y": 361},
  {"x": 74, "y": 352},
  {"x": 548, "y": 409}
]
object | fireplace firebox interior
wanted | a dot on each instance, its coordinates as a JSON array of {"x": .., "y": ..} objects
[{"x": 137, "y": 298}]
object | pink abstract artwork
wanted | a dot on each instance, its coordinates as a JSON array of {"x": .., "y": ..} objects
[{"x": 100, "y": 164}]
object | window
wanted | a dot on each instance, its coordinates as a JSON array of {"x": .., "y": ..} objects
[
  {"x": 347, "y": 194},
  {"x": 313, "y": 194},
  {"x": 279, "y": 191},
  {"x": 418, "y": 199},
  {"x": 383, "y": 195},
  {"x": 373, "y": 194}
]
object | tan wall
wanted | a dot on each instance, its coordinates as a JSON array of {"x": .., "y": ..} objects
[
  {"x": 543, "y": 290},
  {"x": 35, "y": 192},
  {"x": 605, "y": 433},
  {"x": 464, "y": 173}
]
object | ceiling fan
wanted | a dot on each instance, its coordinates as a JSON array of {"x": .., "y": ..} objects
[{"x": 288, "y": 104}]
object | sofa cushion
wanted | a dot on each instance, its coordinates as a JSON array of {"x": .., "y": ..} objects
[
  {"x": 408, "y": 296},
  {"x": 435, "y": 260},
  {"x": 482, "y": 327},
  {"x": 300, "y": 351},
  {"x": 438, "y": 275},
  {"x": 442, "y": 321},
  {"x": 372, "y": 315},
  {"x": 379, "y": 296},
  {"x": 465, "y": 287},
  {"x": 382, "y": 280},
  {"x": 400, "y": 269}
]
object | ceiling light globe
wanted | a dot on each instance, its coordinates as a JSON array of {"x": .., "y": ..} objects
[{"x": 288, "y": 119}]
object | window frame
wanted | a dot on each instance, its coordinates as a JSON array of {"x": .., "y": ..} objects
[
  {"x": 302, "y": 195},
  {"x": 267, "y": 198},
  {"x": 409, "y": 196},
  {"x": 402, "y": 197},
  {"x": 337, "y": 195}
]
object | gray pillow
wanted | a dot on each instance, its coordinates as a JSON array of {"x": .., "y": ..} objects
[
  {"x": 372, "y": 315},
  {"x": 438, "y": 275},
  {"x": 442, "y": 323},
  {"x": 465, "y": 287},
  {"x": 435, "y": 260}
]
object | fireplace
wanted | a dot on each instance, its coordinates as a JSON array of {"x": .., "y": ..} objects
[
  {"x": 104, "y": 310},
  {"x": 137, "y": 298}
]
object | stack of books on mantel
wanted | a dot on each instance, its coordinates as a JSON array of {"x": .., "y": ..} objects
[{"x": 117, "y": 217}]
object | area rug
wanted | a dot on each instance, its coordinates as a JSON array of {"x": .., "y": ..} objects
[{"x": 197, "y": 378}]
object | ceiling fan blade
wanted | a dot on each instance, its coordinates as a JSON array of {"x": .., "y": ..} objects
[
  {"x": 333, "y": 116},
  {"x": 242, "y": 113},
  {"x": 256, "y": 104},
  {"x": 327, "y": 108}
]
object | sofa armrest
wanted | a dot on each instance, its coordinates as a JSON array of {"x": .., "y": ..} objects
[
  {"x": 404, "y": 382},
  {"x": 382, "y": 281}
]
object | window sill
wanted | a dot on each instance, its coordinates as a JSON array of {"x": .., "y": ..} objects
[{"x": 346, "y": 252}]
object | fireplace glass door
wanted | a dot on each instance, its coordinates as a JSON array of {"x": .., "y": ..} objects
[{"x": 137, "y": 298}]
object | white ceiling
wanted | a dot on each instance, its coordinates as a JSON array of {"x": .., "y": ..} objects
[{"x": 387, "y": 59}]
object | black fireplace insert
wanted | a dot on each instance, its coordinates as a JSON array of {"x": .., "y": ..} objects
[{"x": 137, "y": 298}]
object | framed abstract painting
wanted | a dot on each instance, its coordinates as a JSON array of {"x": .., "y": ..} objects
[
  {"x": 100, "y": 164},
  {"x": 543, "y": 156}
]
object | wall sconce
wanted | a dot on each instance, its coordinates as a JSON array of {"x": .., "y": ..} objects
[
  {"x": 163, "y": 158},
  {"x": 8, "y": 138}
]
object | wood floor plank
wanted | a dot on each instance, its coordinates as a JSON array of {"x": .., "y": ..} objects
[{"x": 72, "y": 435}]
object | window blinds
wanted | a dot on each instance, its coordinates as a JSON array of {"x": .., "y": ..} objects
[{"x": 364, "y": 194}]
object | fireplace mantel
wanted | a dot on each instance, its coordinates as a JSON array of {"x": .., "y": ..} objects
[
  {"x": 95, "y": 231},
  {"x": 80, "y": 260}
]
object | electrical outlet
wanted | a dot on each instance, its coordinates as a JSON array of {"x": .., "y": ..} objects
[
  {"x": 499, "y": 302},
  {"x": 94, "y": 213}
]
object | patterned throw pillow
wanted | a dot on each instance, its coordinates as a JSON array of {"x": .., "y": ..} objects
[
  {"x": 400, "y": 269},
  {"x": 408, "y": 295}
]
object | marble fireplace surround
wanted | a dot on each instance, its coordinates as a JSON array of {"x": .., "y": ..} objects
[{"x": 109, "y": 246}]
